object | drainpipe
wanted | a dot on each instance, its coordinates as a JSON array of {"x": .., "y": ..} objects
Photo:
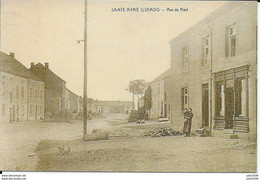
[{"x": 211, "y": 81}]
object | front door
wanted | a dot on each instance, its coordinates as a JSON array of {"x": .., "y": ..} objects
[
  {"x": 205, "y": 105},
  {"x": 229, "y": 105}
]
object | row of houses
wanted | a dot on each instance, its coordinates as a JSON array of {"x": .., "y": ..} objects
[
  {"x": 109, "y": 107},
  {"x": 27, "y": 94},
  {"x": 213, "y": 71}
]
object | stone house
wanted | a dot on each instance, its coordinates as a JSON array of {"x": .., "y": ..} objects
[
  {"x": 161, "y": 95},
  {"x": 22, "y": 92},
  {"x": 214, "y": 72},
  {"x": 111, "y": 107},
  {"x": 72, "y": 102},
  {"x": 54, "y": 88}
]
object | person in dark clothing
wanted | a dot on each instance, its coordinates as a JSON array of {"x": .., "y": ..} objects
[
  {"x": 185, "y": 126},
  {"x": 189, "y": 119}
]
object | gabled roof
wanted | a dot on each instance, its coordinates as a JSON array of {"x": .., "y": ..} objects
[
  {"x": 12, "y": 66},
  {"x": 164, "y": 75},
  {"x": 41, "y": 66}
]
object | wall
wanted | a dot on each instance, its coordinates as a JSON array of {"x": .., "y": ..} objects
[
  {"x": 52, "y": 101},
  {"x": 18, "y": 102},
  {"x": 196, "y": 74},
  {"x": 157, "y": 99}
]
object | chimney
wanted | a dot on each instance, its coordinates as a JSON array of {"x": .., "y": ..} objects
[
  {"x": 32, "y": 64},
  {"x": 47, "y": 65},
  {"x": 12, "y": 54}
]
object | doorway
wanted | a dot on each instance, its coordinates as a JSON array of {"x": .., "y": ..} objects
[
  {"x": 229, "y": 107},
  {"x": 205, "y": 105}
]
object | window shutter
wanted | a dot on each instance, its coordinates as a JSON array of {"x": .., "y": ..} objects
[{"x": 226, "y": 42}]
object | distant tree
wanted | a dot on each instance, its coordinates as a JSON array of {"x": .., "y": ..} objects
[
  {"x": 137, "y": 87},
  {"x": 147, "y": 100}
]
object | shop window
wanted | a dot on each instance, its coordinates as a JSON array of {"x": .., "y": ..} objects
[
  {"x": 241, "y": 97},
  {"x": 220, "y": 99}
]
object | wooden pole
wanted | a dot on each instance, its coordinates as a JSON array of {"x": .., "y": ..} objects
[{"x": 85, "y": 97}]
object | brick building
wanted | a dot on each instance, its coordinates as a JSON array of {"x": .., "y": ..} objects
[
  {"x": 215, "y": 71},
  {"x": 22, "y": 92}
]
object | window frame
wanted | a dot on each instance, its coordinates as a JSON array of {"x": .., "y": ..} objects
[
  {"x": 185, "y": 96},
  {"x": 231, "y": 36}
]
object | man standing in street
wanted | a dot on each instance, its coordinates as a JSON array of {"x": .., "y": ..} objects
[
  {"x": 189, "y": 119},
  {"x": 185, "y": 126}
]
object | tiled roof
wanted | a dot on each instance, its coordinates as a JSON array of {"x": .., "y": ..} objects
[{"x": 12, "y": 66}]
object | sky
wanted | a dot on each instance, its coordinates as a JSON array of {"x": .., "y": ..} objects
[{"x": 122, "y": 46}]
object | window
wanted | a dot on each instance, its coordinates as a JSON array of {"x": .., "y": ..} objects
[
  {"x": 184, "y": 98},
  {"x": 22, "y": 92},
  {"x": 220, "y": 99},
  {"x": 206, "y": 50},
  {"x": 231, "y": 93},
  {"x": 185, "y": 59},
  {"x": 3, "y": 88},
  {"x": 17, "y": 91},
  {"x": 3, "y": 109},
  {"x": 231, "y": 41},
  {"x": 241, "y": 99}
]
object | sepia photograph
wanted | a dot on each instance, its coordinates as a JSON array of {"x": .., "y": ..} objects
[{"x": 128, "y": 86}]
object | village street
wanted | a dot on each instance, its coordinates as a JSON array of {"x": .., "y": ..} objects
[{"x": 35, "y": 146}]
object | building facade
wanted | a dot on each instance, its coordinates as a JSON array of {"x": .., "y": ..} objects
[
  {"x": 22, "y": 92},
  {"x": 215, "y": 71},
  {"x": 110, "y": 107},
  {"x": 72, "y": 102},
  {"x": 55, "y": 88},
  {"x": 161, "y": 93}
]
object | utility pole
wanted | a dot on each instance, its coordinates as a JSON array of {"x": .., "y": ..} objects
[{"x": 85, "y": 97}]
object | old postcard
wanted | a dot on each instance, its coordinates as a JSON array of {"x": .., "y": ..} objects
[{"x": 128, "y": 86}]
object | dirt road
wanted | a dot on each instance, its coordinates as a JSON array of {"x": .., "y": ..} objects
[{"x": 35, "y": 146}]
